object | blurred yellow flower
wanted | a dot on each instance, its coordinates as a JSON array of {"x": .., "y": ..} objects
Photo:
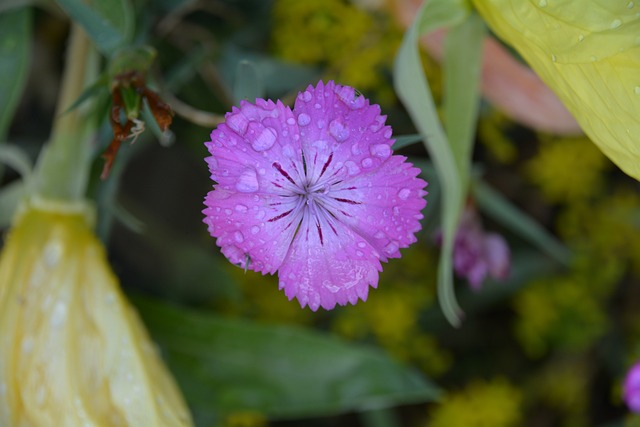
[
  {"x": 72, "y": 350},
  {"x": 494, "y": 403},
  {"x": 589, "y": 56}
]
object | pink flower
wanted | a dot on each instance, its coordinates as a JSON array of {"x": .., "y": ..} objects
[
  {"x": 477, "y": 254},
  {"x": 314, "y": 194},
  {"x": 631, "y": 388}
]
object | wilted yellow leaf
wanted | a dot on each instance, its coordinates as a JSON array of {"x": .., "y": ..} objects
[
  {"x": 73, "y": 352},
  {"x": 589, "y": 54}
]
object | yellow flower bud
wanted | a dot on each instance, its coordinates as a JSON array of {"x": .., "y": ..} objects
[
  {"x": 588, "y": 53},
  {"x": 73, "y": 352}
]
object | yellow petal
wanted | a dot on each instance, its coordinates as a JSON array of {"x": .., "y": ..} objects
[
  {"x": 73, "y": 352},
  {"x": 588, "y": 53}
]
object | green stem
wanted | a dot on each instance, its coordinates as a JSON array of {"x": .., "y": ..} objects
[{"x": 64, "y": 164}]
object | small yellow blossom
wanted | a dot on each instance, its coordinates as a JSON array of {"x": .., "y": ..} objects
[
  {"x": 589, "y": 56},
  {"x": 73, "y": 352},
  {"x": 495, "y": 403}
]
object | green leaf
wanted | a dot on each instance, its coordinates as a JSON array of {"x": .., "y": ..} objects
[
  {"x": 450, "y": 155},
  {"x": 226, "y": 365},
  {"x": 109, "y": 23},
  {"x": 406, "y": 140},
  {"x": 15, "y": 44},
  {"x": 502, "y": 211},
  {"x": 248, "y": 84},
  {"x": 10, "y": 197}
]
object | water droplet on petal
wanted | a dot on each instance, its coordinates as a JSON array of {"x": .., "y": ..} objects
[
  {"x": 291, "y": 121},
  {"x": 264, "y": 138},
  {"x": 241, "y": 208},
  {"x": 388, "y": 133},
  {"x": 367, "y": 162},
  {"x": 359, "y": 253},
  {"x": 304, "y": 119},
  {"x": 238, "y": 237},
  {"x": 247, "y": 181},
  {"x": 317, "y": 106},
  {"x": 362, "y": 245},
  {"x": 255, "y": 229},
  {"x": 391, "y": 248},
  {"x": 616, "y": 23},
  {"x": 404, "y": 193},
  {"x": 320, "y": 124},
  {"x": 379, "y": 235},
  {"x": 554, "y": 58},
  {"x": 338, "y": 130},
  {"x": 237, "y": 122},
  {"x": 357, "y": 103},
  {"x": 228, "y": 211},
  {"x": 381, "y": 150},
  {"x": 352, "y": 168},
  {"x": 581, "y": 37},
  {"x": 306, "y": 96}
]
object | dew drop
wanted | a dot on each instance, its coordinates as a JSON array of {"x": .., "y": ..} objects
[
  {"x": 367, "y": 162},
  {"x": 542, "y": 3},
  {"x": 580, "y": 37},
  {"x": 404, "y": 193},
  {"x": 265, "y": 139},
  {"x": 59, "y": 315},
  {"x": 247, "y": 181},
  {"x": 52, "y": 254},
  {"x": 637, "y": 90},
  {"x": 630, "y": 5},
  {"x": 359, "y": 253},
  {"x": 616, "y": 23},
  {"x": 387, "y": 133},
  {"x": 255, "y": 229},
  {"x": 593, "y": 58},
  {"x": 391, "y": 248},
  {"x": 306, "y": 96},
  {"x": 238, "y": 237},
  {"x": 338, "y": 130},
  {"x": 554, "y": 58},
  {"x": 352, "y": 168},
  {"x": 238, "y": 123},
  {"x": 379, "y": 235},
  {"x": 320, "y": 124},
  {"x": 357, "y": 103},
  {"x": 304, "y": 119},
  {"x": 381, "y": 151},
  {"x": 228, "y": 211},
  {"x": 317, "y": 106},
  {"x": 241, "y": 208},
  {"x": 291, "y": 121},
  {"x": 362, "y": 245}
]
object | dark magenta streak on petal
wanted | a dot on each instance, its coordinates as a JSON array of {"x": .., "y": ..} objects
[
  {"x": 282, "y": 215},
  {"x": 283, "y": 172},
  {"x": 326, "y": 165},
  {"x": 346, "y": 214},
  {"x": 351, "y": 202},
  {"x": 320, "y": 233},
  {"x": 334, "y": 230},
  {"x": 276, "y": 184}
]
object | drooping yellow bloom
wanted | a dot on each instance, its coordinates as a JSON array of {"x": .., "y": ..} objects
[
  {"x": 73, "y": 352},
  {"x": 589, "y": 55}
]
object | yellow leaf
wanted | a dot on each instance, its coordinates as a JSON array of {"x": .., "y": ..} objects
[
  {"x": 73, "y": 352},
  {"x": 588, "y": 53}
]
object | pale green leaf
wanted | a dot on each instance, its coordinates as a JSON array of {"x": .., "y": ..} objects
[{"x": 15, "y": 47}]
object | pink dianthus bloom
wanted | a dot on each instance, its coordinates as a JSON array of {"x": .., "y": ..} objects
[
  {"x": 314, "y": 194},
  {"x": 476, "y": 253},
  {"x": 631, "y": 388}
]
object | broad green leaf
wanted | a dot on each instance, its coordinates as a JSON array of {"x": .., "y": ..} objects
[
  {"x": 496, "y": 206},
  {"x": 109, "y": 23},
  {"x": 226, "y": 365},
  {"x": 406, "y": 140},
  {"x": 450, "y": 153},
  {"x": 589, "y": 56},
  {"x": 248, "y": 84},
  {"x": 15, "y": 46}
]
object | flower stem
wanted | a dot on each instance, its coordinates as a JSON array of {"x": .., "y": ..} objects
[{"x": 63, "y": 167}]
